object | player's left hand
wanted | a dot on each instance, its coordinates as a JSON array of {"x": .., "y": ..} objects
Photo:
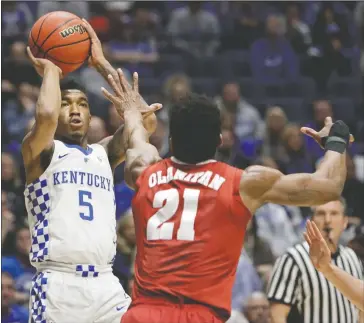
[
  {"x": 127, "y": 97},
  {"x": 97, "y": 55},
  {"x": 320, "y": 253}
]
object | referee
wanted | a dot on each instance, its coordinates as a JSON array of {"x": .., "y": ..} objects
[{"x": 298, "y": 292}]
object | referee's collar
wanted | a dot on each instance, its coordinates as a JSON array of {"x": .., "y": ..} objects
[{"x": 336, "y": 253}]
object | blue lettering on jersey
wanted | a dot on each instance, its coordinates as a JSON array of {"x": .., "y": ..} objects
[{"x": 76, "y": 177}]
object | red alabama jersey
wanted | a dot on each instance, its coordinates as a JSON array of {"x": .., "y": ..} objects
[{"x": 190, "y": 224}]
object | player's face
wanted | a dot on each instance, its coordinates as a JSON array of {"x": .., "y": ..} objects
[
  {"x": 331, "y": 220},
  {"x": 74, "y": 118}
]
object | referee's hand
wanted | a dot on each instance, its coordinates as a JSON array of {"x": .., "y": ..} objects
[{"x": 319, "y": 250}]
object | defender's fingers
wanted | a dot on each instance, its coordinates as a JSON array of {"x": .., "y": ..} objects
[
  {"x": 114, "y": 86},
  {"x": 107, "y": 95},
  {"x": 136, "y": 82},
  {"x": 123, "y": 82}
]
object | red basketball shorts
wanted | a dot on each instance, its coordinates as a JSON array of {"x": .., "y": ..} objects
[{"x": 170, "y": 313}]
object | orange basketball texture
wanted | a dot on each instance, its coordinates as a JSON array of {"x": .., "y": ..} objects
[{"x": 60, "y": 37}]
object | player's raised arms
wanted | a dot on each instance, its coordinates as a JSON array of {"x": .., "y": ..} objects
[
  {"x": 48, "y": 106},
  {"x": 114, "y": 145},
  {"x": 260, "y": 184},
  {"x": 140, "y": 153}
]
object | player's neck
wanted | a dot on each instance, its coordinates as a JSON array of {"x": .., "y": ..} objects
[{"x": 82, "y": 143}]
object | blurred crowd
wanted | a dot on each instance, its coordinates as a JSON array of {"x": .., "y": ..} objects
[{"x": 271, "y": 67}]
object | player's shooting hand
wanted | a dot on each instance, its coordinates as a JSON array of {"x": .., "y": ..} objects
[
  {"x": 319, "y": 250},
  {"x": 127, "y": 97},
  {"x": 97, "y": 54},
  {"x": 41, "y": 64},
  {"x": 324, "y": 132}
]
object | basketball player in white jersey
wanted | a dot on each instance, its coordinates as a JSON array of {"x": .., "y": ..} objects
[{"x": 71, "y": 206}]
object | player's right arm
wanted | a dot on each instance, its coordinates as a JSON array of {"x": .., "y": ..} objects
[
  {"x": 260, "y": 185},
  {"x": 40, "y": 138}
]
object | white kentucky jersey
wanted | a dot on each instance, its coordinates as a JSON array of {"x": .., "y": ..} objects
[{"x": 71, "y": 208}]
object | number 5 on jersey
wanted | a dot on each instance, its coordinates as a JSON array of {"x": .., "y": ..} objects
[
  {"x": 159, "y": 229},
  {"x": 84, "y": 198}
]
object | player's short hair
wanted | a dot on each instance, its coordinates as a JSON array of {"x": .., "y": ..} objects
[
  {"x": 195, "y": 128},
  {"x": 72, "y": 84}
]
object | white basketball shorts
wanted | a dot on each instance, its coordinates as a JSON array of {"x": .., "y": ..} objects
[{"x": 80, "y": 293}]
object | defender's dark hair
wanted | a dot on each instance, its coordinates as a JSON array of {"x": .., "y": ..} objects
[
  {"x": 195, "y": 128},
  {"x": 72, "y": 84}
]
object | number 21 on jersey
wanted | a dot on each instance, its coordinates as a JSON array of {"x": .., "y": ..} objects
[{"x": 159, "y": 229}]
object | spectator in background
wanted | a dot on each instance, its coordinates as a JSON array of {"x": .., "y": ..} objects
[
  {"x": 7, "y": 220},
  {"x": 175, "y": 87},
  {"x": 259, "y": 251},
  {"x": 298, "y": 32},
  {"x": 272, "y": 57},
  {"x": 19, "y": 111},
  {"x": 16, "y": 21},
  {"x": 246, "y": 282},
  {"x": 18, "y": 265},
  {"x": 353, "y": 193},
  {"x": 135, "y": 53},
  {"x": 321, "y": 110},
  {"x": 11, "y": 183},
  {"x": 296, "y": 158},
  {"x": 145, "y": 22},
  {"x": 229, "y": 151},
  {"x": 125, "y": 248},
  {"x": 160, "y": 138},
  {"x": 16, "y": 70},
  {"x": 275, "y": 122},
  {"x": 245, "y": 118},
  {"x": 79, "y": 8},
  {"x": 97, "y": 130},
  {"x": 257, "y": 309},
  {"x": 246, "y": 28},
  {"x": 10, "y": 312},
  {"x": 194, "y": 31},
  {"x": 357, "y": 244},
  {"x": 330, "y": 36},
  {"x": 359, "y": 21}
]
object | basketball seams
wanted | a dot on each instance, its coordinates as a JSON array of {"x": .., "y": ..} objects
[
  {"x": 68, "y": 57},
  {"x": 40, "y": 28},
  {"x": 69, "y": 44},
  {"x": 54, "y": 30},
  {"x": 57, "y": 60}
]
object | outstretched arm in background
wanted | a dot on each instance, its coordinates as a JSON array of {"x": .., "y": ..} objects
[
  {"x": 140, "y": 153},
  {"x": 40, "y": 139},
  {"x": 261, "y": 184},
  {"x": 113, "y": 144},
  {"x": 351, "y": 287}
]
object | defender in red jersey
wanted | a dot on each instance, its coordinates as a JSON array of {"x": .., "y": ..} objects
[{"x": 191, "y": 212}]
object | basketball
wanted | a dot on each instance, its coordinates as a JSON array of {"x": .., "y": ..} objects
[{"x": 60, "y": 37}]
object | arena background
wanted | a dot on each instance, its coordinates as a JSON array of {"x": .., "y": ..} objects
[{"x": 315, "y": 71}]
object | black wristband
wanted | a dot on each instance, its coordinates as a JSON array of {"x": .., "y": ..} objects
[{"x": 338, "y": 139}]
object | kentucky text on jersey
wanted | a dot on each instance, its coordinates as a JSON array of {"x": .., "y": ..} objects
[
  {"x": 83, "y": 178},
  {"x": 207, "y": 178}
]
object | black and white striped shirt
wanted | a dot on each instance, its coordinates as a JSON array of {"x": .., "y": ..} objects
[{"x": 296, "y": 282}]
